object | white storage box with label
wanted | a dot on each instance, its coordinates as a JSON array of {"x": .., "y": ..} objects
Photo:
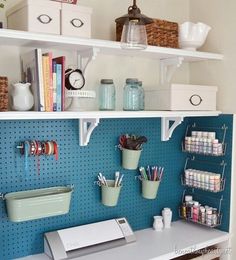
[
  {"x": 76, "y": 20},
  {"x": 181, "y": 97},
  {"x": 35, "y": 16}
]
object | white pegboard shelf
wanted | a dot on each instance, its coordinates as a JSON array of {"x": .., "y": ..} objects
[
  {"x": 40, "y": 40},
  {"x": 89, "y": 120}
]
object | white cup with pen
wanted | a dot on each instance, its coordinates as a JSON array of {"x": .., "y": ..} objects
[
  {"x": 150, "y": 181},
  {"x": 110, "y": 189}
]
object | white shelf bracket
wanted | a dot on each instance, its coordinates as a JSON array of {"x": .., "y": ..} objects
[
  {"x": 85, "y": 57},
  {"x": 86, "y": 127},
  {"x": 167, "y": 128},
  {"x": 168, "y": 68}
]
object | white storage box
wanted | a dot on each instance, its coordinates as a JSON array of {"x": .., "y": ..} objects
[
  {"x": 181, "y": 97},
  {"x": 76, "y": 21},
  {"x": 35, "y": 16}
]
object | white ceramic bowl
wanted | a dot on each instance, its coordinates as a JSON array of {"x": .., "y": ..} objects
[{"x": 192, "y": 35}]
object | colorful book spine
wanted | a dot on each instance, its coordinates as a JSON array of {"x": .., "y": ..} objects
[
  {"x": 59, "y": 86},
  {"x": 61, "y": 60},
  {"x": 46, "y": 82},
  {"x": 49, "y": 80},
  {"x": 54, "y": 76}
]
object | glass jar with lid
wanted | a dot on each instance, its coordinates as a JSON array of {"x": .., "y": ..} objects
[
  {"x": 142, "y": 95},
  {"x": 107, "y": 95},
  {"x": 131, "y": 95}
]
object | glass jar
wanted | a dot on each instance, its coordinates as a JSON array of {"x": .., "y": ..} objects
[
  {"x": 107, "y": 95},
  {"x": 131, "y": 98},
  {"x": 142, "y": 96}
]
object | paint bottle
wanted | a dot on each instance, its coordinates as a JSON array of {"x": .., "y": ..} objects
[
  {"x": 196, "y": 207},
  {"x": 214, "y": 217},
  {"x": 202, "y": 215}
]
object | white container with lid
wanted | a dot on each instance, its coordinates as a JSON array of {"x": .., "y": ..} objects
[
  {"x": 76, "y": 20},
  {"x": 181, "y": 97},
  {"x": 35, "y": 16}
]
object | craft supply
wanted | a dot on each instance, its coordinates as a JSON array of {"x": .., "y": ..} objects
[
  {"x": 153, "y": 173},
  {"x": 167, "y": 216},
  {"x": 131, "y": 142},
  {"x": 158, "y": 223},
  {"x": 116, "y": 183}
]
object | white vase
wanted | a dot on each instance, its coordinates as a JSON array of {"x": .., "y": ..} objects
[
  {"x": 167, "y": 217},
  {"x": 158, "y": 223},
  {"x": 22, "y": 98}
]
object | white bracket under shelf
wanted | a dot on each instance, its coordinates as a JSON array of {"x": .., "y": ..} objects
[
  {"x": 86, "y": 127},
  {"x": 85, "y": 57},
  {"x": 167, "y": 128},
  {"x": 168, "y": 68}
]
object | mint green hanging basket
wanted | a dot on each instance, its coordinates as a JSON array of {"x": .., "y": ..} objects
[
  {"x": 150, "y": 189},
  {"x": 130, "y": 158},
  {"x": 110, "y": 194}
]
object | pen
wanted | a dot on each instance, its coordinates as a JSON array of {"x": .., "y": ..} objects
[
  {"x": 105, "y": 181},
  {"x": 149, "y": 173},
  {"x": 143, "y": 173},
  {"x": 119, "y": 183},
  {"x": 117, "y": 175}
]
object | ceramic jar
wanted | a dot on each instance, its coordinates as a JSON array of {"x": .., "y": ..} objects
[
  {"x": 158, "y": 223},
  {"x": 167, "y": 216},
  {"x": 22, "y": 98}
]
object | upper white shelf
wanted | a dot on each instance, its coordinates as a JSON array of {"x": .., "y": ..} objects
[
  {"x": 38, "y": 40},
  {"x": 31, "y": 115}
]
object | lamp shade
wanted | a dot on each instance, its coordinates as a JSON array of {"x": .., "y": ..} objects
[{"x": 134, "y": 34}]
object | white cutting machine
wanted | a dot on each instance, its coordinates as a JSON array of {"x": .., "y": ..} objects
[{"x": 77, "y": 241}]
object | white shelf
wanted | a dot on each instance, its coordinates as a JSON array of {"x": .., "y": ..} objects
[
  {"x": 180, "y": 239},
  {"x": 38, "y": 40},
  {"x": 31, "y": 115},
  {"x": 89, "y": 120}
]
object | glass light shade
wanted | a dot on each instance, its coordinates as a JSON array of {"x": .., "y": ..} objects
[{"x": 134, "y": 35}]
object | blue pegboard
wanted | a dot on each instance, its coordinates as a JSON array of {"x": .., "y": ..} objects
[{"x": 79, "y": 166}]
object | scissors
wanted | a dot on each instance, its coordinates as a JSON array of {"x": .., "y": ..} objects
[{"x": 123, "y": 140}]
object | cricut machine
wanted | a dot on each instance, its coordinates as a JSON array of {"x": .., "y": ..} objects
[{"x": 77, "y": 241}]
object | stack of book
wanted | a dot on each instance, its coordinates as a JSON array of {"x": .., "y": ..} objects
[{"x": 47, "y": 77}]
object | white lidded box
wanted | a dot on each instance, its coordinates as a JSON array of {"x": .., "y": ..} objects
[
  {"x": 181, "y": 97},
  {"x": 76, "y": 21},
  {"x": 35, "y": 16}
]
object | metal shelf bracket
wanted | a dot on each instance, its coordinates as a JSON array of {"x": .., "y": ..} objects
[
  {"x": 85, "y": 57},
  {"x": 168, "y": 68},
  {"x": 167, "y": 128},
  {"x": 86, "y": 127}
]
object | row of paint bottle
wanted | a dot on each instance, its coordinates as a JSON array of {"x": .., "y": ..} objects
[
  {"x": 203, "y": 180},
  {"x": 204, "y": 143},
  {"x": 194, "y": 211}
]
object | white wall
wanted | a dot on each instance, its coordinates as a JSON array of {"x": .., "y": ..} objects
[{"x": 103, "y": 27}]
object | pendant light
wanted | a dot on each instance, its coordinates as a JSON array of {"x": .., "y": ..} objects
[{"x": 134, "y": 34}]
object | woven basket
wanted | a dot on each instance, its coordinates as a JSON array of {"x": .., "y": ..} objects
[
  {"x": 3, "y": 94},
  {"x": 159, "y": 33}
]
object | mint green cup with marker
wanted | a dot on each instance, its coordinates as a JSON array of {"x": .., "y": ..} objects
[
  {"x": 150, "y": 189},
  {"x": 110, "y": 193}
]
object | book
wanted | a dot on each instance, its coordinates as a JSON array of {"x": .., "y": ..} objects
[
  {"x": 48, "y": 81},
  {"x": 61, "y": 60},
  {"x": 54, "y": 76},
  {"x": 59, "y": 86},
  {"x": 32, "y": 70}
]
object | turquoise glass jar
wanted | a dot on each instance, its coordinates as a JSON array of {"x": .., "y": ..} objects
[
  {"x": 142, "y": 96},
  {"x": 107, "y": 95},
  {"x": 131, "y": 95}
]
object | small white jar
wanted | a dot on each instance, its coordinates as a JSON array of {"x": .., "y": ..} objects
[{"x": 158, "y": 223}]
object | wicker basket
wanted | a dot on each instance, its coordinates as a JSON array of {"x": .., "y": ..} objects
[
  {"x": 3, "y": 94},
  {"x": 159, "y": 33}
]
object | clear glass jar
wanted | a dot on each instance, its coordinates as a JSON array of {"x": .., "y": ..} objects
[
  {"x": 131, "y": 98},
  {"x": 142, "y": 96},
  {"x": 107, "y": 95}
]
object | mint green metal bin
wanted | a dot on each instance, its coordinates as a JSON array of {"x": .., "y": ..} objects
[{"x": 40, "y": 203}]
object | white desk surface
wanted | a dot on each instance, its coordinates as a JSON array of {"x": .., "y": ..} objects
[{"x": 180, "y": 239}]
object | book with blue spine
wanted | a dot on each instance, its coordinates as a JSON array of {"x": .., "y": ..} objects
[{"x": 59, "y": 86}]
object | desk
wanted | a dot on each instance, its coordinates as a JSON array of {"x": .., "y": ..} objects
[{"x": 180, "y": 239}]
